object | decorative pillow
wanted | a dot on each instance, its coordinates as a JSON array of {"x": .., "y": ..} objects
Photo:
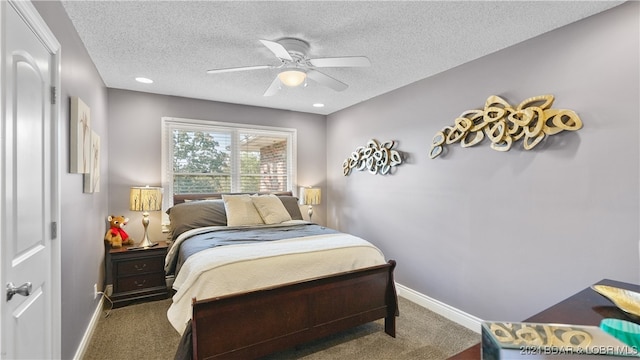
[
  {"x": 271, "y": 209},
  {"x": 291, "y": 204},
  {"x": 195, "y": 214},
  {"x": 241, "y": 211}
]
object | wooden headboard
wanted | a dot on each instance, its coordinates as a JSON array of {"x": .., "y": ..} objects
[{"x": 180, "y": 198}]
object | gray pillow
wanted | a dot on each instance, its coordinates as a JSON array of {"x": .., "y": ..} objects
[
  {"x": 195, "y": 214},
  {"x": 291, "y": 204}
]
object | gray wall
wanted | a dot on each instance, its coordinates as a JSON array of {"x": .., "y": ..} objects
[
  {"x": 504, "y": 235},
  {"x": 135, "y": 120},
  {"x": 83, "y": 222}
]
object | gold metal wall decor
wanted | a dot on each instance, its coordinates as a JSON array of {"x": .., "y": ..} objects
[
  {"x": 375, "y": 157},
  {"x": 532, "y": 120}
]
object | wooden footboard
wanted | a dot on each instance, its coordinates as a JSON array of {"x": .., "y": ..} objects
[{"x": 258, "y": 323}]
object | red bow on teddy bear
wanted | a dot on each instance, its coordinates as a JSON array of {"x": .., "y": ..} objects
[{"x": 119, "y": 231}]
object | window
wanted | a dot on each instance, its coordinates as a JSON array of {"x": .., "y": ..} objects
[{"x": 213, "y": 157}]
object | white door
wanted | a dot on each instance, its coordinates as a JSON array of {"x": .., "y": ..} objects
[{"x": 29, "y": 207}]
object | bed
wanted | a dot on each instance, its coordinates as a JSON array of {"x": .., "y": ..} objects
[{"x": 253, "y": 278}]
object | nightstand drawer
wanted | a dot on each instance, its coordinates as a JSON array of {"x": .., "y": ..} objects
[
  {"x": 131, "y": 283},
  {"x": 140, "y": 266},
  {"x": 137, "y": 274}
]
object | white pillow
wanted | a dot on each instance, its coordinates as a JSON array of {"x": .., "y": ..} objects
[
  {"x": 271, "y": 209},
  {"x": 240, "y": 210}
]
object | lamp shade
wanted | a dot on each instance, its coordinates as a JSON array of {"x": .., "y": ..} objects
[
  {"x": 145, "y": 198},
  {"x": 292, "y": 77},
  {"x": 310, "y": 196}
]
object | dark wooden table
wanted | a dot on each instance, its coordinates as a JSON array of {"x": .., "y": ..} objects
[
  {"x": 584, "y": 308},
  {"x": 138, "y": 275}
]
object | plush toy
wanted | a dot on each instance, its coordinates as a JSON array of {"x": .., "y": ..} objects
[{"x": 116, "y": 236}]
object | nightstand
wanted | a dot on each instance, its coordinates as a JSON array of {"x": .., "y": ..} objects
[{"x": 138, "y": 275}]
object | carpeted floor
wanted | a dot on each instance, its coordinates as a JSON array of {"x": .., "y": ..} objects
[{"x": 142, "y": 331}]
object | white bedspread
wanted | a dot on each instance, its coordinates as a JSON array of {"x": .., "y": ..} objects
[{"x": 239, "y": 268}]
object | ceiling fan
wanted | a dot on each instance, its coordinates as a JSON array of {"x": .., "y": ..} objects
[{"x": 295, "y": 65}]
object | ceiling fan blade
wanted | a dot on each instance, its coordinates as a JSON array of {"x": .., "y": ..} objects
[
  {"x": 277, "y": 49},
  {"x": 347, "y": 61},
  {"x": 242, "y": 68},
  {"x": 273, "y": 88},
  {"x": 326, "y": 80}
]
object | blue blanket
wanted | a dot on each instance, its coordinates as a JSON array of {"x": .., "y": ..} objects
[{"x": 221, "y": 237}]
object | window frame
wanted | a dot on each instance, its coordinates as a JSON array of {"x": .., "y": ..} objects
[{"x": 172, "y": 123}]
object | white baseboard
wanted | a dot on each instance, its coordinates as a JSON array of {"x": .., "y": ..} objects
[
  {"x": 458, "y": 316},
  {"x": 84, "y": 344}
]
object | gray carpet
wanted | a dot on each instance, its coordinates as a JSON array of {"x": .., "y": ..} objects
[{"x": 142, "y": 331}]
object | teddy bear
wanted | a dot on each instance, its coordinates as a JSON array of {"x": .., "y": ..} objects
[{"x": 116, "y": 236}]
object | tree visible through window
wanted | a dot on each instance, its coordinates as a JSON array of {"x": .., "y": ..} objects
[
  {"x": 201, "y": 162},
  {"x": 203, "y": 158}
]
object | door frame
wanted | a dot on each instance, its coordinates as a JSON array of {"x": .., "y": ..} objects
[{"x": 33, "y": 19}]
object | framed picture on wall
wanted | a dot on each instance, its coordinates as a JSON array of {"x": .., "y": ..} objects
[
  {"x": 80, "y": 137},
  {"x": 92, "y": 179}
]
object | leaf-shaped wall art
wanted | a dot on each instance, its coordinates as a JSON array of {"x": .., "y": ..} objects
[
  {"x": 375, "y": 157},
  {"x": 532, "y": 121}
]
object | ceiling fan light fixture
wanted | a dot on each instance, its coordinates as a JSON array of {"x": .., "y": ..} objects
[{"x": 292, "y": 78}]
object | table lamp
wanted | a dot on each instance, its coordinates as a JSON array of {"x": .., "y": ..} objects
[
  {"x": 145, "y": 199},
  {"x": 310, "y": 196}
]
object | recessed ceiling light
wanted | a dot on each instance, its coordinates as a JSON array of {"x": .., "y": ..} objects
[
  {"x": 318, "y": 105},
  {"x": 144, "y": 80}
]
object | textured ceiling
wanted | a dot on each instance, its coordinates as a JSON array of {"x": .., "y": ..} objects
[{"x": 175, "y": 42}]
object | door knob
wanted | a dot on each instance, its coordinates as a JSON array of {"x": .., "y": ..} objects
[{"x": 24, "y": 290}]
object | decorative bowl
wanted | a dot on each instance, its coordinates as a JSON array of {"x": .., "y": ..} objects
[{"x": 626, "y": 300}]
